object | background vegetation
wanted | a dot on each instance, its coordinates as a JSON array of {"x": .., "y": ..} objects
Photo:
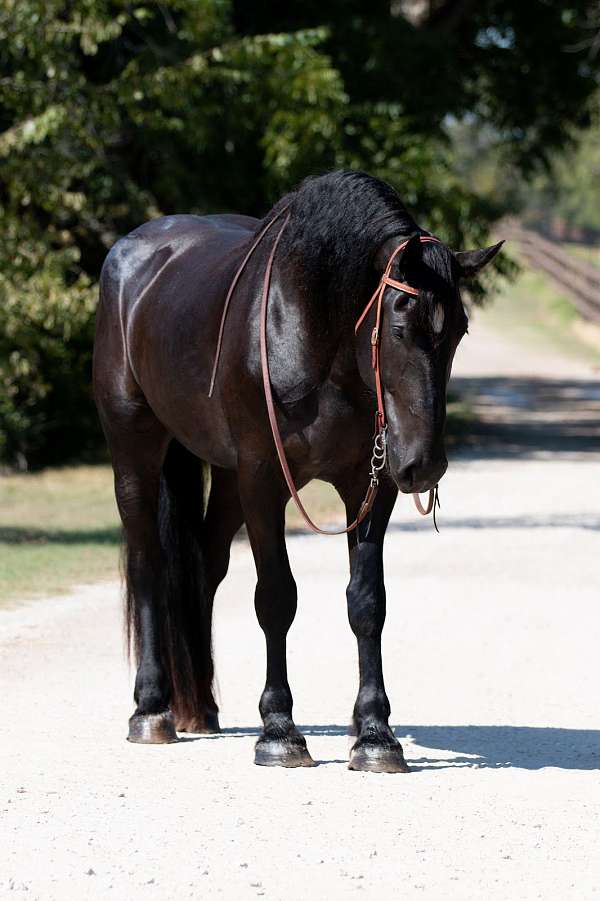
[
  {"x": 60, "y": 527},
  {"x": 112, "y": 112},
  {"x": 560, "y": 197}
]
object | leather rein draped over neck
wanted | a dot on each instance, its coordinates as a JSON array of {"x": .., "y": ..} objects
[{"x": 379, "y": 455}]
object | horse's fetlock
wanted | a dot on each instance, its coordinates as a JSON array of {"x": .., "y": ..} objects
[
  {"x": 375, "y": 733},
  {"x": 280, "y": 727},
  {"x": 275, "y": 702},
  {"x": 372, "y": 705},
  {"x": 152, "y": 690}
]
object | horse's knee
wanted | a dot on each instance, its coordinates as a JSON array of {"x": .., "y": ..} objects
[
  {"x": 365, "y": 593},
  {"x": 366, "y": 613},
  {"x": 276, "y": 600}
]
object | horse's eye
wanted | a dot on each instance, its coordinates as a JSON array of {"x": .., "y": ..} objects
[{"x": 398, "y": 331}]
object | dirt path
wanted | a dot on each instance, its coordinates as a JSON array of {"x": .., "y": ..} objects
[{"x": 491, "y": 654}]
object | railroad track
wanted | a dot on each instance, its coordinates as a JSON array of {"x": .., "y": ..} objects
[{"x": 580, "y": 280}]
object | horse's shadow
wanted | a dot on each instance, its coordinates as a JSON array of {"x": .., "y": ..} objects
[
  {"x": 483, "y": 747},
  {"x": 516, "y": 747}
]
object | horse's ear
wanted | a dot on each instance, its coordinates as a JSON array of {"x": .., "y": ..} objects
[
  {"x": 471, "y": 262},
  {"x": 410, "y": 253}
]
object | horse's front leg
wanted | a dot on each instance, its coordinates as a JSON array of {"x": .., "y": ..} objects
[
  {"x": 375, "y": 749},
  {"x": 263, "y": 501}
]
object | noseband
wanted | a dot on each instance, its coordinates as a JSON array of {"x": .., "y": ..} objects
[{"x": 379, "y": 455}]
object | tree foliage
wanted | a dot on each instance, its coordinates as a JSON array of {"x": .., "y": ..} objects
[
  {"x": 112, "y": 112},
  {"x": 566, "y": 196},
  {"x": 562, "y": 197}
]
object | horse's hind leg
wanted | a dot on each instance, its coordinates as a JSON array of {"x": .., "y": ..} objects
[
  {"x": 222, "y": 520},
  {"x": 224, "y": 517},
  {"x": 376, "y": 749},
  {"x": 263, "y": 502},
  {"x": 138, "y": 443}
]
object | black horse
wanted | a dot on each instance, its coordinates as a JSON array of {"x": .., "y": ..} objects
[{"x": 191, "y": 469}]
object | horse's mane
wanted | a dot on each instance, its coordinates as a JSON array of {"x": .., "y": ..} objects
[{"x": 338, "y": 221}]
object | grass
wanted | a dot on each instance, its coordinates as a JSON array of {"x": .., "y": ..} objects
[
  {"x": 535, "y": 311},
  {"x": 57, "y": 528},
  {"x": 585, "y": 252},
  {"x": 60, "y": 528},
  {"x": 322, "y": 503}
]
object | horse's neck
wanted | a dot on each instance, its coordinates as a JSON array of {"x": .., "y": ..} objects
[{"x": 309, "y": 344}]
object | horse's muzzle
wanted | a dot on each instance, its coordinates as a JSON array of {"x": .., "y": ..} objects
[{"x": 418, "y": 475}]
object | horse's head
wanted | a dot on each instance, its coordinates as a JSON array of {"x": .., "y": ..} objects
[{"x": 418, "y": 338}]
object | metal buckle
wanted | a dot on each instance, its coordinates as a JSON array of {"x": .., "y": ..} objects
[{"x": 379, "y": 456}]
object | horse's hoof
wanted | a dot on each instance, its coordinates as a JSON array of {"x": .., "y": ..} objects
[
  {"x": 281, "y": 753},
  {"x": 378, "y": 759},
  {"x": 203, "y": 724},
  {"x": 152, "y": 728}
]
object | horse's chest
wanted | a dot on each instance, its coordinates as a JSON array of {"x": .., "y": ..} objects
[{"x": 333, "y": 436}]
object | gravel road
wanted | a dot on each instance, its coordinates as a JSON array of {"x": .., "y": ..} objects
[{"x": 491, "y": 660}]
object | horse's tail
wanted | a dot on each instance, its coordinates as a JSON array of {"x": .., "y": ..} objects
[{"x": 186, "y": 607}]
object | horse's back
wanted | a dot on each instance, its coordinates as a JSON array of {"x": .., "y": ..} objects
[
  {"x": 136, "y": 259},
  {"x": 174, "y": 265},
  {"x": 186, "y": 226}
]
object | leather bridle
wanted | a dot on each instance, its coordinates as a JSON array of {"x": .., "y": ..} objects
[
  {"x": 377, "y": 299},
  {"x": 379, "y": 455}
]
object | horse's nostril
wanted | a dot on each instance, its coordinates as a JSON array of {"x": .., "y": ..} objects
[
  {"x": 406, "y": 474},
  {"x": 418, "y": 472}
]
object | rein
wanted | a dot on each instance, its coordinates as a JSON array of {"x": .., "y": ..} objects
[{"x": 379, "y": 454}]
